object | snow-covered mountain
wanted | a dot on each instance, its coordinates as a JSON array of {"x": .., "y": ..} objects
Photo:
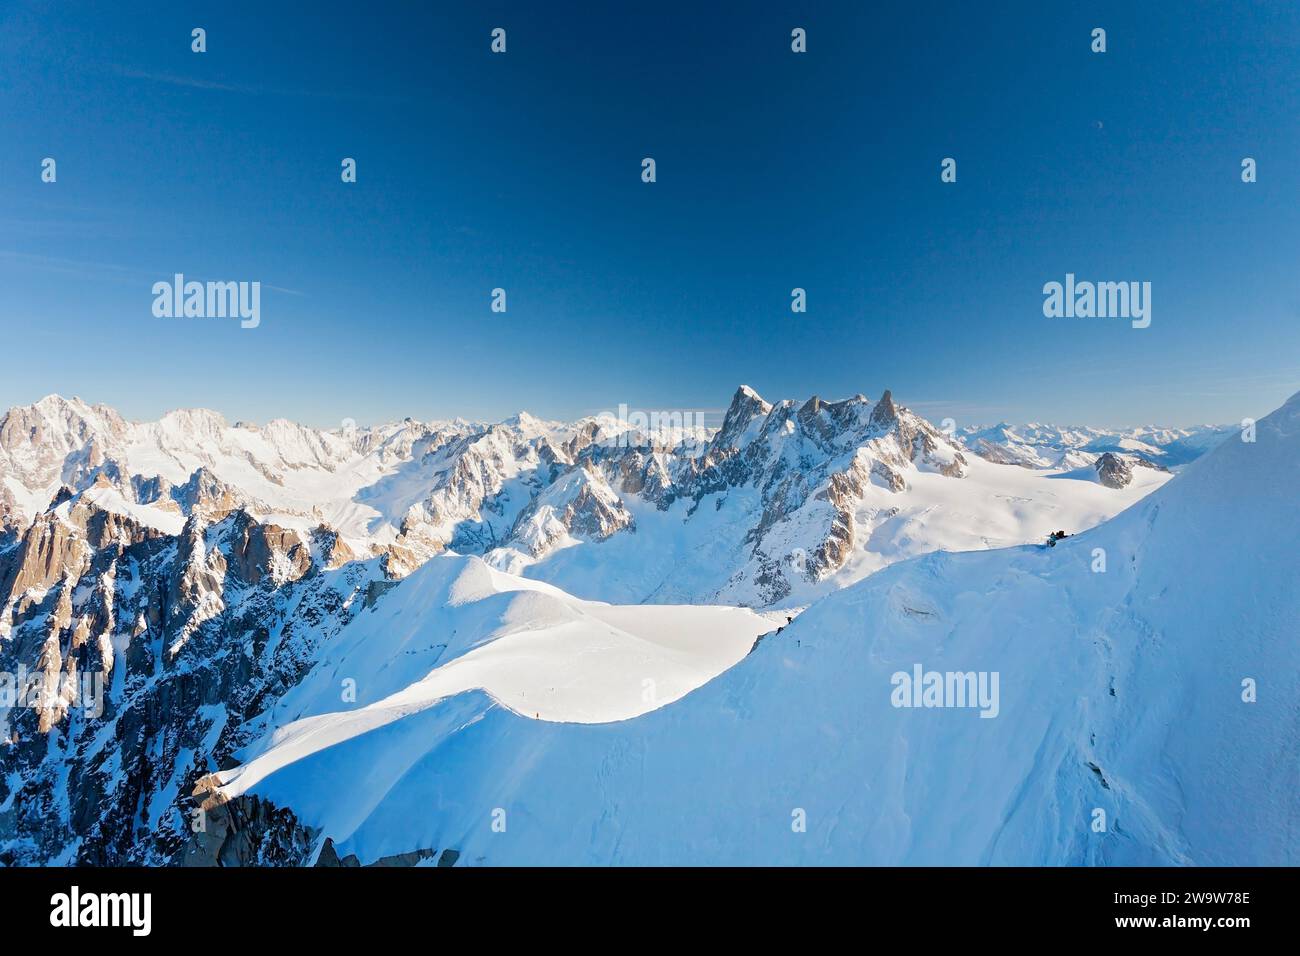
[
  {"x": 198, "y": 571},
  {"x": 1052, "y": 446},
  {"x": 782, "y": 504},
  {"x": 160, "y": 472},
  {"x": 1143, "y": 710},
  {"x": 789, "y": 502}
]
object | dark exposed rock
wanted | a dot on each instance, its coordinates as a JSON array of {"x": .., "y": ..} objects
[
  {"x": 250, "y": 831},
  {"x": 885, "y": 414},
  {"x": 746, "y": 406},
  {"x": 186, "y": 663},
  {"x": 247, "y": 831},
  {"x": 1141, "y": 462},
  {"x": 1113, "y": 471}
]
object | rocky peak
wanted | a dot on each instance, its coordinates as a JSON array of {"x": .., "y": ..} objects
[
  {"x": 746, "y": 406},
  {"x": 194, "y": 423},
  {"x": 50, "y": 551},
  {"x": 885, "y": 413},
  {"x": 581, "y": 505},
  {"x": 207, "y": 493},
  {"x": 1113, "y": 471},
  {"x": 55, "y": 419},
  {"x": 261, "y": 551},
  {"x": 329, "y": 549}
]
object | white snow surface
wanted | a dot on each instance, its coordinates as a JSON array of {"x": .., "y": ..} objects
[
  {"x": 1120, "y": 690},
  {"x": 1062, "y": 447},
  {"x": 457, "y": 625},
  {"x": 675, "y": 558},
  {"x": 463, "y": 486}
]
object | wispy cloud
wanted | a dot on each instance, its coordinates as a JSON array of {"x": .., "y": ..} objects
[
  {"x": 197, "y": 83},
  {"x": 80, "y": 268},
  {"x": 193, "y": 83},
  {"x": 84, "y": 269}
]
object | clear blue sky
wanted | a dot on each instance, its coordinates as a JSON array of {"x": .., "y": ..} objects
[{"x": 775, "y": 170}]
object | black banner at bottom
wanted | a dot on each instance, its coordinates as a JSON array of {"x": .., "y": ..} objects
[{"x": 337, "y": 905}]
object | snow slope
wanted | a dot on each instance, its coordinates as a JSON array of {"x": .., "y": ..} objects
[
  {"x": 783, "y": 504},
  {"x": 459, "y": 625},
  {"x": 687, "y": 551},
  {"x": 1120, "y": 691}
]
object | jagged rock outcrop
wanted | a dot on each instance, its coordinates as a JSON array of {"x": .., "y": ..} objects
[
  {"x": 517, "y": 488},
  {"x": 146, "y": 659},
  {"x": 332, "y": 550},
  {"x": 811, "y": 464},
  {"x": 580, "y": 506},
  {"x": 1113, "y": 471},
  {"x": 247, "y": 831},
  {"x": 250, "y": 831},
  {"x": 261, "y": 551}
]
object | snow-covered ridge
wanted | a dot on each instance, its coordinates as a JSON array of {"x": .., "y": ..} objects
[
  {"x": 784, "y": 502},
  {"x": 1146, "y": 715},
  {"x": 200, "y": 571}
]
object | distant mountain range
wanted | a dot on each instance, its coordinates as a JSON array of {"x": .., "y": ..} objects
[
  {"x": 1051, "y": 446},
  {"x": 780, "y": 497},
  {"x": 200, "y": 571}
]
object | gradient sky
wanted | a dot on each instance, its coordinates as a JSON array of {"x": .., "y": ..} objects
[{"x": 775, "y": 170}]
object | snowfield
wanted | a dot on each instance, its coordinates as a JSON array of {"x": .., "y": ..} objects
[
  {"x": 687, "y": 551},
  {"x": 400, "y": 635},
  {"x": 458, "y": 625},
  {"x": 1149, "y": 712},
  {"x": 782, "y": 505}
]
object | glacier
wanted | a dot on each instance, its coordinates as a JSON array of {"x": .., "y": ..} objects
[{"x": 1149, "y": 682}]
